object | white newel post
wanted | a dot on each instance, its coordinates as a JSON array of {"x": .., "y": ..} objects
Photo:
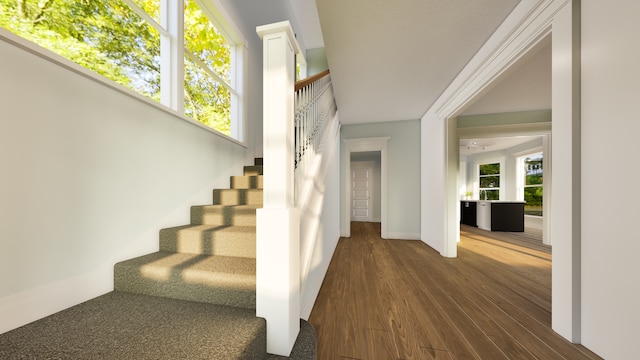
[{"x": 278, "y": 229}]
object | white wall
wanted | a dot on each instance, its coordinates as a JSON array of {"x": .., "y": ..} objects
[
  {"x": 403, "y": 174},
  {"x": 565, "y": 160},
  {"x": 327, "y": 234},
  {"x": 89, "y": 177},
  {"x": 610, "y": 196},
  {"x": 316, "y": 61}
]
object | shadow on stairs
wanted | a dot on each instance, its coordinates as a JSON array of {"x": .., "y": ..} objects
[{"x": 194, "y": 299}]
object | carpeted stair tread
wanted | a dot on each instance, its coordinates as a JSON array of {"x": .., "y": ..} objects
[
  {"x": 247, "y": 182},
  {"x": 238, "y": 197},
  {"x": 253, "y": 170},
  {"x": 121, "y": 325},
  {"x": 212, "y": 279},
  {"x": 241, "y": 215},
  {"x": 224, "y": 240}
]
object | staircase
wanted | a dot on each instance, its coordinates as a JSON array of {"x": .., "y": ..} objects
[{"x": 212, "y": 260}]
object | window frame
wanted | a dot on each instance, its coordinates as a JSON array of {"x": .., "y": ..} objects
[
  {"x": 521, "y": 176},
  {"x": 488, "y": 161},
  {"x": 173, "y": 64}
]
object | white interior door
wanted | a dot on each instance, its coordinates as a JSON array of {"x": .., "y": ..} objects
[{"x": 361, "y": 174}]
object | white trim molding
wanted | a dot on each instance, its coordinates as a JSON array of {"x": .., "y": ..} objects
[{"x": 403, "y": 236}]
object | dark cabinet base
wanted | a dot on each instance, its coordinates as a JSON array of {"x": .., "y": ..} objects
[
  {"x": 507, "y": 217},
  {"x": 468, "y": 213}
]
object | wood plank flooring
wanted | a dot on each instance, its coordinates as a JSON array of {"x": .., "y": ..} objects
[{"x": 399, "y": 299}]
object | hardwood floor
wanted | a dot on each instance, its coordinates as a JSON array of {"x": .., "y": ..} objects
[{"x": 399, "y": 299}]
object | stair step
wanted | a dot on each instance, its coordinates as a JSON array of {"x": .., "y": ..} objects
[
  {"x": 240, "y": 215},
  {"x": 253, "y": 170},
  {"x": 247, "y": 182},
  {"x": 223, "y": 240},
  {"x": 221, "y": 280},
  {"x": 238, "y": 197},
  {"x": 123, "y": 325}
]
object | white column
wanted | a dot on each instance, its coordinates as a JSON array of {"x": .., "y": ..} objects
[
  {"x": 433, "y": 178},
  {"x": 565, "y": 195},
  {"x": 452, "y": 199},
  {"x": 278, "y": 223}
]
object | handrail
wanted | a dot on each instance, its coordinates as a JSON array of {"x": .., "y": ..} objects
[
  {"x": 314, "y": 103},
  {"x": 304, "y": 82}
]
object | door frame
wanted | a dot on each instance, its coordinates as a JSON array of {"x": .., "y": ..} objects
[
  {"x": 528, "y": 23},
  {"x": 360, "y": 145}
]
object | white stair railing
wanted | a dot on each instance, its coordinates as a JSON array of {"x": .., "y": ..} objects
[
  {"x": 293, "y": 126},
  {"x": 317, "y": 140},
  {"x": 315, "y": 106}
]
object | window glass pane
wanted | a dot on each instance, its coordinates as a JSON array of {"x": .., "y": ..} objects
[
  {"x": 533, "y": 199},
  {"x": 151, "y": 7},
  {"x": 104, "y": 36},
  {"x": 489, "y": 181},
  {"x": 490, "y": 169},
  {"x": 205, "y": 99},
  {"x": 492, "y": 194},
  {"x": 533, "y": 169},
  {"x": 203, "y": 40}
]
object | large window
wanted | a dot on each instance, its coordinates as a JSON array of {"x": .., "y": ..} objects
[
  {"x": 489, "y": 179},
  {"x": 129, "y": 42},
  {"x": 531, "y": 166}
]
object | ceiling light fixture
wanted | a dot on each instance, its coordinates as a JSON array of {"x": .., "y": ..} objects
[{"x": 474, "y": 146}]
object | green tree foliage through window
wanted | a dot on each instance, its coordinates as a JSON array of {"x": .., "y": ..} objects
[
  {"x": 533, "y": 184},
  {"x": 489, "y": 181},
  {"x": 109, "y": 38},
  {"x": 207, "y": 99}
]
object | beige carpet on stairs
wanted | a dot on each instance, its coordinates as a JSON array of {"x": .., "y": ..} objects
[{"x": 194, "y": 299}]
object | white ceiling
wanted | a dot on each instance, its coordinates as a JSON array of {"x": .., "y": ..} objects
[
  {"x": 308, "y": 23},
  {"x": 390, "y": 60},
  {"x": 525, "y": 86},
  {"x": 482, "y": 145}
]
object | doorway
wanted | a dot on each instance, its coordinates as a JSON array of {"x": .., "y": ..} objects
[
  {"x": 565, "y": 229},
  {"x": 365, "y": 186},
  {"x": 368, "y": 146}
]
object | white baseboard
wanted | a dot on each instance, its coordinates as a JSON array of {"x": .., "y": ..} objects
[
  {"x": 403, "y": 236},
  {"x": 307, "y": 307},
  {"x": 28, "y": 306}
]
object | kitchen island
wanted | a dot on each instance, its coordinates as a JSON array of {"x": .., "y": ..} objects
[{"x": 493, "y": 215}]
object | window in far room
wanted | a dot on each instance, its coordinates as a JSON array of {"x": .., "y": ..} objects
[
  {"x": 532, "y": 183},
  {"x": 489, "y": 180}
]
